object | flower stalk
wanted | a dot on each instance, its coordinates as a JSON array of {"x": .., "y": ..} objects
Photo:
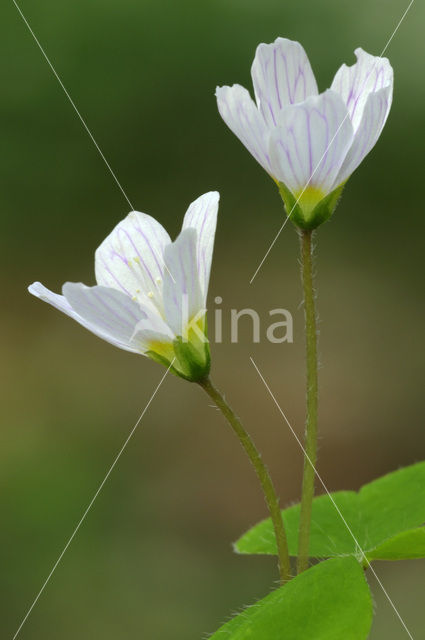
[
  {"x": 310, "y": 448},
  {"x": 263, "y": 475}
]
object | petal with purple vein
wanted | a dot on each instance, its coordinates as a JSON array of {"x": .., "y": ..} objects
[
  {"x": 131, "y": 259},
  {"x": 104, "y": 329},
  {"x": 354, "y": 84},
  {"x": 202, "y": 216},
  {"x": 183, "y": 298},
  {"x": 309, "y": 145},
  {"x": 110, "y": 311},
  {"x": 281, "y": 75},
  {"x": 241, "y": 115},
  {"x": 374, "y": 116}
]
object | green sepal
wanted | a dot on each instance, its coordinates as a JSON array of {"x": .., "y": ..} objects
[
  {"x": 161, "y": 360},
  {"x": 188, "y": 363},
  {"x": 188, "y": 358},
  {"x": 303, "y": 218},
  {"x": 193, "y": 362}
]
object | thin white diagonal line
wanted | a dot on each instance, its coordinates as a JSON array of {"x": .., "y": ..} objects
[
  {"x": 161, "y": 259},
  {"x": 332, "y": 499},
  {"x": 91, "y": 502},
  {"x": 72, "y": 103},
  {"x": 396, "y": 29},
  {"x": 326, "y": 150}
]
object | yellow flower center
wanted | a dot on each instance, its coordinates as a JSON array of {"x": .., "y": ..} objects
[
  {"x": 164, "y": 349},
  {"x": 308, "y": 198}
]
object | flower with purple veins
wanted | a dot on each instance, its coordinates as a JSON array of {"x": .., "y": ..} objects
[
  {"x": 150, "y": 296},
  {"x": 309, "y": 143}
]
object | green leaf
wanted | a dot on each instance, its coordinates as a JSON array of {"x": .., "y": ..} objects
[
  {"x": 376, "y": 515},
  {"x": 404, "y": 546},
  {"x": 329, "y": 536},
  {"x": 328, "y": 602}
]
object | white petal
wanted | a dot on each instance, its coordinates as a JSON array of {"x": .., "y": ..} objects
[
  {"x": 153, "y": 334},
  {"x": 282, "y": 75},
  {"x": 131, "y": 259},
  {"x": 55, "y": 299},
  {"x": 310, "y": 143},
  {"x": 241, "y": 115},
  {"x": 110, "y": 311},
  {"x": 183, "y": 297},
  {"x": 156, "y": 342},
  {"x": 354, "y": 84},
  {"x": 96, "y": 320},
  {"x": 374, "y": 116},
  {"x": 202, "y": 216}
]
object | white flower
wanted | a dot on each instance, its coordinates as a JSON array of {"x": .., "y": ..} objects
[
  {"x": 150, "y": 296},
  {"x": 310, "y": 143}
]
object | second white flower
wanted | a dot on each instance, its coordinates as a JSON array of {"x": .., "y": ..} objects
[{"x": 310, "y": 143}]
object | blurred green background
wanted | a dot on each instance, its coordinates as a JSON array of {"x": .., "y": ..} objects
[{"x": 154, "y": 559}]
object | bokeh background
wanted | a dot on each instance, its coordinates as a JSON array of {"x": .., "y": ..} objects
[{"x": 154, "y": 559}]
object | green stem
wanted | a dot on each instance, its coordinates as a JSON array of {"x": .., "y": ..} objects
[
  {"x": 263, "y": 476},
  {"x": 312, "y": 394}
]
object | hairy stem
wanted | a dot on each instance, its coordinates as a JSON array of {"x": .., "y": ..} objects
[
  {"x": 263, "y": 476},
  {"x": 312, "y": 397}
]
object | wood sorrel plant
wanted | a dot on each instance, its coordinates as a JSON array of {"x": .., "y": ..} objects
[
  {"x": 310, "y": 144},
  {"x": 150, "y": 299}
]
